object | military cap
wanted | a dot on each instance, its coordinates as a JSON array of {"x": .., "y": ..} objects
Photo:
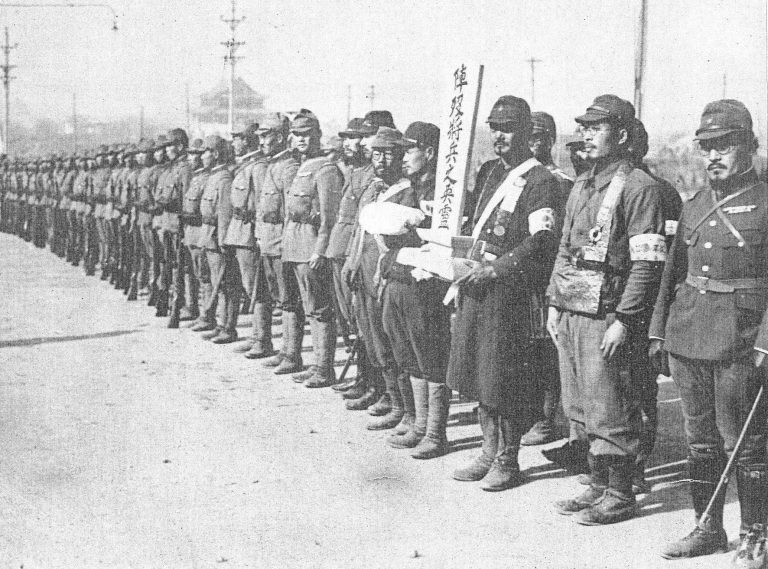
[
  {"x": 178, "y": 136},
  {"x": 353, "y": 129},
  {"x": 162, "y": 142},
  {"x": 305, "y": 121},
  {"x": 245, "y": 129},
  {"x": 115, "y": 149},
  {"x": 196, "y": 147},
  {"x": 422, "y": 134},
  {"x": 510, "y": 109},
  {"x": 387, "y": 138},
  {"x": 212, "y": 142},
  {"x": 544, "y": 123},
  {"x": 375, "y": 119},
  {"x": 131, "y": 149},
  {"x": 609, "y": 108},
  {"x": 274, "y": 122},
  {"x": 249, "y": 134},
  {"x": 724, "y": 117},
  {"x": 102, "y": 150},
  {"x": 146, "y": 145}
]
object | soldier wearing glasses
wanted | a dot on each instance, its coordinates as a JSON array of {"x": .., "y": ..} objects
[{"x": 710, "y": 317}]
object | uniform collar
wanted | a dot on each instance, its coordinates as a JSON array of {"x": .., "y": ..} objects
[
  {"x": 606, "y": 174},
  {"x": 249, "y": 156}
]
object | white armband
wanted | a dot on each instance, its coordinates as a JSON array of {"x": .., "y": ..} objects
[
  {"x": 670, "y": 228},
  {"x": 648, "y": 247},
  {"x": 541, "y": 220}
]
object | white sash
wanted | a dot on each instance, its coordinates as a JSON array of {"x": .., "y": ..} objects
[
  {"x": 509, "y": 192},
  {"x": 393, "y": 190}
]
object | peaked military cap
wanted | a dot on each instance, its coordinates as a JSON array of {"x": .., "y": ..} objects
[
  {"x": 353, "y": 129},
  {"x": 374, "y": 120},
  {"x": 724, "y": 117},
  {"x": 609, "y": 108}
]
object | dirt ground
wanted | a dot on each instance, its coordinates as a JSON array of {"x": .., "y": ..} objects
[{"x": 125, "y": 444}]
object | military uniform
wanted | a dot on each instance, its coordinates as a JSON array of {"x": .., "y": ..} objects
[
  {"x": 311, "y": 205},
  {"x": 200, "y": 283},
  {"x": 268, "y": 230},
  {"x": 101, "y": 193},
  {"x": 216, "y": 212},
  {"x": 146, "y": 207}
]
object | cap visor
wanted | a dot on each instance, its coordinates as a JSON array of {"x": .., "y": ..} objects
[
  {"x": 716, "y": 133},
  {"x": 591, "y": 116}
]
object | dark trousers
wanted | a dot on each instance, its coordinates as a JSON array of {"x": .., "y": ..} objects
[
  {"x": 312, "y": 288},
  {"x": 418, "y": 326},
  {"x": 596, "y": 395},
  {"x": 716, "y": 399},
  {"x": 370, "y": 326}
]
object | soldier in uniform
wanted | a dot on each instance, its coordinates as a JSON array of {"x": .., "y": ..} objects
[
  {"x": 216, "y": 212},
  {"x": 100, "y": 176},
  {"x": 174, "y": 186},
  {"x": 544, "y": 368},
  {"x": 284, "y": 162},
  {"x": 710, "y": 317},
  {"x": 126, "y": 220},
  {"x": 199, "y": 276},
  {"x": 415, "y": 318},
  {"x": 358, "y": 174},
  {"x": 362, "y": 273},
  {"x": 514, "y": 231},
  {"x": 145, "y": 208},
  {"x": 61, "y": 207},
  {"x": 90, "y": 222},
  {"x": 112, "y": 215},
  {"x": 250, "y": 167},
  {"x": 602, "y": 287},
  {"x": 162, "y": 255},
  {"x": 311, "y": 205}
]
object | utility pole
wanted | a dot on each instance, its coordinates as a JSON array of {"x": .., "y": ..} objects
[
  {"x": 725, "y": 85},
  {"x": 640, "y": 52},
  {"x": 74, "y": 121},
  {"x": 533, "y": 61},
  {"x": 231, "y": 59},
  {"x": 186, "y": 94},
  {"x": 7, "y": 47},
  {"x": 141, "y": 122},
  {"x": 371, "y": 95},
  {"x": 349, "y": 103}
]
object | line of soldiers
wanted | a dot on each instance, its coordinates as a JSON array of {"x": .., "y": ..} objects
[{"x": 582, "y": 290}]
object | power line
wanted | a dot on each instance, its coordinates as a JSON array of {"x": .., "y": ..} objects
[
  {"x": 533, "y": 61},
  {"x": 230, "y": 59},
  {"x": 6, "y": 67}
]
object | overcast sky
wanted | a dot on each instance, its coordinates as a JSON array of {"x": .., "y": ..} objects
[{"x": 304, "y": 53}]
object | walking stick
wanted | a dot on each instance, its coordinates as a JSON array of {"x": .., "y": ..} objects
[
  {"x": 721, "y": 485},
  {"x": 352, "y": 354}
]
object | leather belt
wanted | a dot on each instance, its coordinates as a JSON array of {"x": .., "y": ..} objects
[{"x": 725, "y": 285}]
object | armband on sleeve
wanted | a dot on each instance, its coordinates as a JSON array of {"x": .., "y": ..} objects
[
  {"x": 648, "y": 247},
  {"x": 541, "y": 220}
]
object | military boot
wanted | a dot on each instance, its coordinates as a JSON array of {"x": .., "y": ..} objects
[
  {"x": 228, "y": 333},
  {"x": 262, "y": 332},
  {"x": 541, "y": 433},
  {"x": 370, "y": 393},
  {"x": 293, "y": 335},
  {"x": 396, "y": 411},
  {"x": 597, "y": 487},
  {"x": 708, "y": 536},
  {"x": 409, "y": 405},
  {"x": 435, "y": 442},
  {"x": 353, "y": 382},
  {"x": 153, "y": 294},
  {"x": 244, "y": 346},
  {"x": 751, "y": 552},
  {"x": 478, "y": 468},
  {"x": 505, "y": 470},
  {"x": 304, "y": 375},
  {"x": 618, "y": 502},
  {"x": 161, "y": 308},
  {"x": 325, "y": 354},
  {"x": 384, "y": 403}
]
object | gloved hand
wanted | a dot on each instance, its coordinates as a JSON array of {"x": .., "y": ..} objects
[{"x": 659, "y": 357}]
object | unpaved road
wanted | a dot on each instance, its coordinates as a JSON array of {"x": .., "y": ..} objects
[{"x": 125, "y": 444}]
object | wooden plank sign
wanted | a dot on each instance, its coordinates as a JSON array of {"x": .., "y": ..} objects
[{"x": 457, "y": 128}]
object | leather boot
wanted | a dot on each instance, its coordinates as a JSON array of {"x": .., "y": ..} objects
[
  {"x": 370, "y": 394},
  {"x": 302, "y": 376},
  {"x": 324, "y": 338},
  {"x": 262, "y": 332},
  {"x": 751, "y": 552},
  {"x": 478, "y": 468},
  {"x": 598, "y": 484},
  {"x": 711, "y": 538},
  {"x": 384, "y": 404},
  {"x": 352, "y": 382},
  {"x": 752, "y": 486},
  {"x": 396, "y": 411},
  {"x": 162, "y": 304},
  {"x": 210, "y": 335},
  {"x": 541, "y": 433},
  {"x": 572, "y": 456},
  {"x": 244, "y": 346},
  {"x": 409, "y": 405},
  {"x": 618, "y": 503},
  {"x": 293, "y": 335},
  {"x": 153, "y": 293},
  {"x": 232, "y": 310},
  {"x": 435, "y": 442},
  {"x": 505, "y": 470},
  {"x": 362, "y": 381}
]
